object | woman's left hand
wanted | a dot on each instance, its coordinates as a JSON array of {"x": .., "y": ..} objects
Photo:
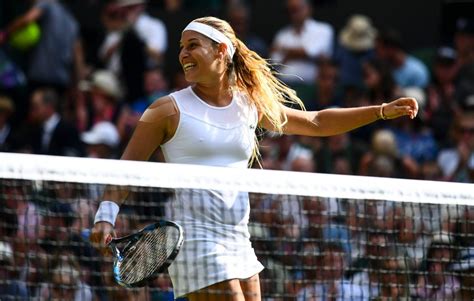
[{"x": 399, "y": 107}]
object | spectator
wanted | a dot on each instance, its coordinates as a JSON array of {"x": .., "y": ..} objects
[
  {"x": 328, "y": 92},
  {"x": 238, "y": 15},
  {"x": 325, "y": 281},
  {"x": 464, "y": 94},
  {"x": 415, "y": 141},
  {"x": 101, "y": 141},
  {"x": 463, "y": 266},
  {"x": 50, "y": 133},
  {"x": 100, "y": 99},
  {"x": 379, "y": 81},
  {"x": 58, "y": 237},
  {"x": 150, "y": 30},
  {"x": 464, "y": 41},
  {"x": 135, "y": 41},
  {"x": 441, "y": 107},
  {"x": 410, "y": 234},
  {"x": 58, "y": 49},
  {"x": 23, "y": 230},
  {"x": 459, "y": 223},
  {"x": 337, "y": 149},
  {"x": 394, "y": 281},
  {"x": 370, "y": 267},
  {"x": 10, "y": 287},
  {"x": 408, "y": 71},
  {"x": 356, "y": 45},
  {"x": 300, "y": 44},
  {"x": 155, "y": 86},
  {"x": 435, "y": 283},
  {"x": 65, "y": 281},
  {"x": 7, "y": 142},
  {"x": 457, "y": 162},
  {"x": 385, "y": 152}
]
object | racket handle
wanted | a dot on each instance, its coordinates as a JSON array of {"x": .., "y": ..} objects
[{"x": 108, "y": 239}]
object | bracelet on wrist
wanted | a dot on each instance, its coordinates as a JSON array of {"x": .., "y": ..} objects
[{"x": 381, "y": 112}]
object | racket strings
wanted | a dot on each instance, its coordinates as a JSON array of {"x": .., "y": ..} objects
[{"x": 149, "y": 253}]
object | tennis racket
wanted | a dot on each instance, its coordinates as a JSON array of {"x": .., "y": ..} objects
[{"x": 146, "y": 253}]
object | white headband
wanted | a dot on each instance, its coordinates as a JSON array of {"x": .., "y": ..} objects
[{"x": 212, "y": 34}]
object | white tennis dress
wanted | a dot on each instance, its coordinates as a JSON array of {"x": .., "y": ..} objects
[{"x": 216, "y": 238}]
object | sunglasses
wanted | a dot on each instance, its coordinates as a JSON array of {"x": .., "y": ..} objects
[{"x": 466, "y": 130}]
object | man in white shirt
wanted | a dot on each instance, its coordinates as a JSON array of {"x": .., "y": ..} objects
[
  {"x": 150, "y": 30},
  {"x": 298, "y": 45}
]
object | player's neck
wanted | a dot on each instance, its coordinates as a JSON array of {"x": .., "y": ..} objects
[{"x": 216, "y": 95}]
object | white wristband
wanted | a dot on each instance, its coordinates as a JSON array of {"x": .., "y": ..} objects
[{"x": 107, "y": 212}]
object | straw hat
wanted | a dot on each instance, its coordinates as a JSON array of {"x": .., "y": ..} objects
[
  {"x": 358, "y": 34},
  {"x": 105, "y": 81}
]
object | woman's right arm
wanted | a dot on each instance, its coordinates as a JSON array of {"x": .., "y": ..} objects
[{"x": 156, "y": 126}]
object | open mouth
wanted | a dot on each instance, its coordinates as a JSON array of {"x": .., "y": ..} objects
[{"x": 188, "y": 66}]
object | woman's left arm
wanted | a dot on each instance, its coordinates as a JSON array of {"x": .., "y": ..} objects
[{"x": 336, "y": 121}]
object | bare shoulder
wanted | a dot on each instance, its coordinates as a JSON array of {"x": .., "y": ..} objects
[{"x": 160, "y": 109}]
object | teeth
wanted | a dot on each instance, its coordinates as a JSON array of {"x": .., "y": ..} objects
[{"x": 188, "y": 66}]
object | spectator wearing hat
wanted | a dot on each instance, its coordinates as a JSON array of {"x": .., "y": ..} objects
[
  {"x": 101, "y": 141},
  {"x": 10, "y": 288},
  {"x": 435, "y": 282},
  {"x": 441, "y": 107},
  {"x": 408, "y": 71},
  {"x": 99, "y": 100},
  {"x": 355, "y": 45},
  {"x": 50, "y": 134},
  {"x": 464, "y": 41}
]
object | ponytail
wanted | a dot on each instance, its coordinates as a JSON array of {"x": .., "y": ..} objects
[
  {"x": 254, "y": 75},
  {"x": 249, "y": 73}
]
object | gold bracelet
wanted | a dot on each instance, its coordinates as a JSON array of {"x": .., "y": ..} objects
[{"x": 381, "y": 113}]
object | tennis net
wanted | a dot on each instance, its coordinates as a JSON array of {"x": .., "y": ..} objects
[{"x": 319, "y": 236}]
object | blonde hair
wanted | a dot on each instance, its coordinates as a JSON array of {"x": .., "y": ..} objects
[{"x": 250, "y": 73}]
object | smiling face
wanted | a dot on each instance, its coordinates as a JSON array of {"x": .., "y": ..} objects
[{"x": 203, "y": 60}]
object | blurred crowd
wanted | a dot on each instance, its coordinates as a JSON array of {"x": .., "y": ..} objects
[{"x": 56, "y": 100}]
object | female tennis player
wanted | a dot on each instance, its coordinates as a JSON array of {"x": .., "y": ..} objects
[{"x": 213, "y": 122}]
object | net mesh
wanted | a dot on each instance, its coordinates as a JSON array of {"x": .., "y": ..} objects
[{"x": 318, "y": 236}]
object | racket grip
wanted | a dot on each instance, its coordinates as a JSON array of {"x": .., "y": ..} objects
[{"x": 108, "y": 239}]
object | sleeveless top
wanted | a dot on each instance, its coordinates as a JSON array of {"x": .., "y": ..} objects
[
  {"x": 216, "y": 238},
  {"x": 208, "y": 135}
]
